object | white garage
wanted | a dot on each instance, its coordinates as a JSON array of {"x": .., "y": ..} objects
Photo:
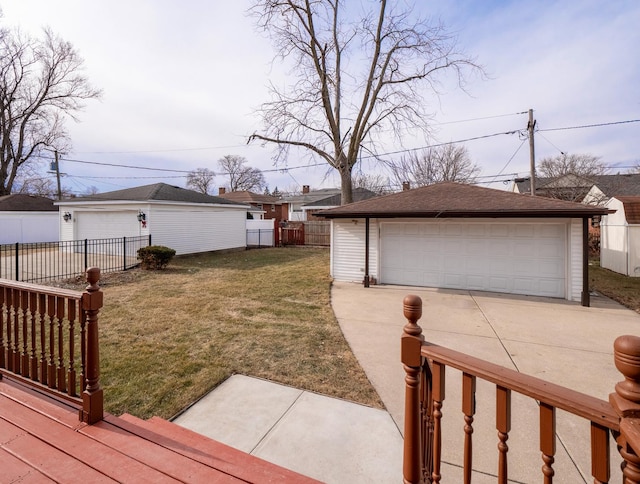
[
  {"x": 459, "y": 236},
  {"x": 518, "y": 258}
]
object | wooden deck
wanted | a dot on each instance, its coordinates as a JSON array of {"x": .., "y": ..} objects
[{"x": 42, "y": 440}]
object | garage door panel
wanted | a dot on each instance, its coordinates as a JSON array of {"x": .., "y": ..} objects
[{"x": 516, "y": 258}]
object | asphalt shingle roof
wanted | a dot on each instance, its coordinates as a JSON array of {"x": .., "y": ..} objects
[
  {"x": 20, "y": 202},
  {"x": 248, "y": 197},
  {"x": 336, "y": 200},
  {"x": 631, "y": 209},
  {"x": 460, "y": 200},
  {"x": 157, "y": 192},
  {"x": 626, "y": 184}
]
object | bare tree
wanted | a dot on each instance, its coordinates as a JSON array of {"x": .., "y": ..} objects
[
  {"x": 583, "y": 165},
  {"x": 240, "y": 176},
  {"x": 376, "y": 183},
  {"x": 40, "y": 85},
  {"x": 201, "y": 180},
  {"x": 355, "y": 79},
  {"x": 449, "y": 162}
]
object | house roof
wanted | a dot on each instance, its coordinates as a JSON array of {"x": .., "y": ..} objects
[
  {"x": 250, "y": 197},
  {"x": 631, "y": 209},
  {"x": 21, "y": 202},
  {"x": 155, "y": 192},
  {"x": 625, "y": 184},
  {"x": 311, "y": 196},
  {"x": 460, "y": 200},
  {"x": 336, "y": 200}
]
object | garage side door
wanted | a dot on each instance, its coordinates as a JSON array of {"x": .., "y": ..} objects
[{"x": 516, "y": 258}]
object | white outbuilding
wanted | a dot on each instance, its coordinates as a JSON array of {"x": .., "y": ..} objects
[
  {"x": 620, "y": 236},
  {"x": 184, "y": 220},
  {"x": 458, "y": 236},
  {"x": 27, "y": 218}
]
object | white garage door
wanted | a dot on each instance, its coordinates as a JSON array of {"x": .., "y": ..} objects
[
  {"x": 106, "y": 225},
  {"x": 516, "y": 258}
]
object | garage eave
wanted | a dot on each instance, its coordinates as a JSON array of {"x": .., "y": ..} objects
[{"x": 469, "y": 214}]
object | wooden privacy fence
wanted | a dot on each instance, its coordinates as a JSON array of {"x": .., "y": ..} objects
[
  {"x": 312, "y": 232},
  {"x": 49, "y": 340},
  {"x": 425, "y": 364}
]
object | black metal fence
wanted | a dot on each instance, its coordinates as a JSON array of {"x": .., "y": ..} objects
[{"x": 47, "y": 261}]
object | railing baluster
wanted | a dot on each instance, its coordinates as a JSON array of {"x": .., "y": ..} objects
[
  {"x": 15, "y": 353},
  {"x": 600, "y": 465},
  {"x": 503, "y": 425},
  {"x": 51, "y": 367},
  {"x": 438, "y": 375},
  {"x": 42, "y": 303},
  {"x": 60, "y": 313},
  {"x": 469, "y": 410},
  {"x": 426, "y": 421},
  {"x": 547, "y": 440},
  {"x": 24, "y": 354},
  {"x": 71, "y": 370},
  {"x": 33, "y": 356},
  {"x": 2, "y": 299}
]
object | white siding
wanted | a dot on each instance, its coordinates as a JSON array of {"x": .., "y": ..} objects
[
  {"x": 574, "y": 282},
  {"x": 347, "y": 249},
  {"x": 189, "y": 230},
  {"x": 25, "y": 227},
  {"x": 619, "y": 242}
]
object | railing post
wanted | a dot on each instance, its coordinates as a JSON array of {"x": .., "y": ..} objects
[
  {"x": 92, "y": 298},
  {"x": 410, "y": 346},
  {"x": 626, "y": 402}
]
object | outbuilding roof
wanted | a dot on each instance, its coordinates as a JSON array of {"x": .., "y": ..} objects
[
  {"x": 21, "y": 202},
  {"x": 249, "y": 197},
  {"x": 335, "y": 200},
  {"x": 155, "y": 192},
  {"x": 631, "y": 209},
  {"x": 460, "y": 200}
]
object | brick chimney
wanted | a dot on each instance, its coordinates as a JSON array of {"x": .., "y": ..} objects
[
  {"x": 221, "y": 191},
  {"x": 305, "y": 189},
  {"x": 406, "y": 186}
]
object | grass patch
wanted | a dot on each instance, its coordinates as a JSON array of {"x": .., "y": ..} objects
[
  {"x": 620, "y": 288},
  {"x": 168, "y": 337}
]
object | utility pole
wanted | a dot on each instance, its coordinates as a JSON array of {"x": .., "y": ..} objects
[
  {"x": 58, "y": 175},
  {"x": 532, "y": 151}
]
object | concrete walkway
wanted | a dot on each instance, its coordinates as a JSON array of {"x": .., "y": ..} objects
[{"x": 337, "y": 441}]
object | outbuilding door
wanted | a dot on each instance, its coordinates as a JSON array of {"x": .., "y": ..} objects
[
  {"x": 106, "y": 225},
  {"x": 517, "y": 258}
]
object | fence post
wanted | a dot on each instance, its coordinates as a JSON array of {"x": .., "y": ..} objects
[
  {"x": 92, "y": 402},
  {"x": 149, "y": 240},
  {"x": 410, "y": 348},
  {"x": 86, "y": 255},
  {"x": 626, "y": 402},
  {"x": 124, "y": 253},
  {"x": 17, "y": 259}
]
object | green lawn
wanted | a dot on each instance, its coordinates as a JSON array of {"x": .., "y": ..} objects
[{"x": 624, "y": 289}]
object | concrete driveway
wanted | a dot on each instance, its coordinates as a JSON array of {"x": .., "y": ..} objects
[{"x": 552, "y": 339}]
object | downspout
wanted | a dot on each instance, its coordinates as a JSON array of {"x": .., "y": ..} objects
[
  {"x": 585, "y": 300},
  {"x": 366, "y": 252}
]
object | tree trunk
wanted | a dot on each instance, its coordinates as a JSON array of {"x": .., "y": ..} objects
[{"x": 346, "y": 186}]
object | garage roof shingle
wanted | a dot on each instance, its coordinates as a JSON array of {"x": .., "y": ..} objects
[
  {"x": 21, "y": 202},
  {"x": 451, "y": 199},
  {"x": 157, "y": 191}
]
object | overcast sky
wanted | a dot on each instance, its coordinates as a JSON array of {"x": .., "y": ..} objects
[{"x": 181, "y": 81}]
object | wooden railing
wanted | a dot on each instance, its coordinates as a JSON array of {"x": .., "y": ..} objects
[
  {"x": 425, "y": 365},
  {"x": 49, "y": 340}
]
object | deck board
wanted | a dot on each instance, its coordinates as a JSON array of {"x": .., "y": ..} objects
[{"x": 42, "y": 440}]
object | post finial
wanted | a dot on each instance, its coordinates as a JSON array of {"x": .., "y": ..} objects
[
  {"x": 412, "y": 305},
  {"x": 626, "y": 354},
  {"x": 93, "y": 276}
]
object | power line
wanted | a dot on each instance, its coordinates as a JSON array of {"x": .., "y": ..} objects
[
  {"x": 591, "y": 125},
  {"x": 479, "y": 119}
]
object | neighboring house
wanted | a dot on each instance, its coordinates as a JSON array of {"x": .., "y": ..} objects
[
  {"x": 310, "y": 209},
  {"x": 620, "y": 236},
  {"x": 184, "y": 220},
  {"x": 594, "y": 190},
  {"x": 28, "y": 218},
  {"x": 458, "y": 236},
  {"x": 266, "y": 207},
  {"x": 293, "y": 205}
]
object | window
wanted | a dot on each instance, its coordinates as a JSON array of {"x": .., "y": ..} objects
[{"x": 273, "y": 207}]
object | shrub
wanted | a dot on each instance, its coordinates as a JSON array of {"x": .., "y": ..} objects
[{"x": 155, "y": 256}]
